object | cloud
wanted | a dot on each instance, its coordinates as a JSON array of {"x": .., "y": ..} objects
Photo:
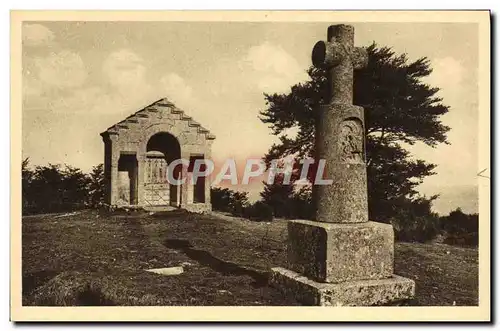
[
  {"x": 81, "y": 100},
  {"x": 448, "y": 75},
  {"x": 267, "y": 57},
  {"x": 32, "y": 87},
  {"x": 64, "y": 69},
  {"x": 177, "y": 90},
  {"x": 125, "y": 71},
  {"x": 97, "y": 101},
  {"x": 181, "y": 93},
  {"x": 126, "y": 74},
  {"x": 36, "y": 35},
  {"x": 274, "y": 69},
  {"x": 448, "y": 69}
]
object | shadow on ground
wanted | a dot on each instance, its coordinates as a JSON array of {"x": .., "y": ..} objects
[{"x": 225, "y": 268}]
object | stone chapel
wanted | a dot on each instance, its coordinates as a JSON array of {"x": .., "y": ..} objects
[{"x": 138, "y": 150}]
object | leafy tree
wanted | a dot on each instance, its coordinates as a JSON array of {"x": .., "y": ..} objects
[
  {"x": 413, "y": 220},
  {"x": 239, "y": 201},
  {"x": 459, "y": 222},
  {"x": 279, "y": 196},
  {"x": 74, "y": 186},
  {"x": 220, "y": 198},
  {"x": 226, "y": 200},
  {"x": 259, "y": 211},
  {"x": 46, "y": 188},
  {"x": 26, "y": 178},
  {"x": 53, "y": 188},
  {"x": 399, "y": 109},
  {"x": 302, "y": 203},
  {"x": 96, "y": 185}
]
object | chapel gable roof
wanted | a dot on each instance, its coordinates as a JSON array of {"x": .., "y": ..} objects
[{"x": 149, "y": 112}]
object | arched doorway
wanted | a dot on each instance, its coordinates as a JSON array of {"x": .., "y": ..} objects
[{"x": 162, "y": 148}]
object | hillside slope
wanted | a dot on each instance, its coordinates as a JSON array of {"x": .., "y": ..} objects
[{"x": 96, "y": 259}]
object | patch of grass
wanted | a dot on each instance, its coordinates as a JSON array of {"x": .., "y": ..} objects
[
  {"x": 100, "y": 259},
  {"x": 445, "y": 275}
]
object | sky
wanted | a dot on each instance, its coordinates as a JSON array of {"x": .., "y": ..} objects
[{"x": 79, "y": 78}]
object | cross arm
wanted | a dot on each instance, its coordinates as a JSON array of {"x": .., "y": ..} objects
[
  {"x": 330, "y": 54},
  {"x": 326, "y": 54}
]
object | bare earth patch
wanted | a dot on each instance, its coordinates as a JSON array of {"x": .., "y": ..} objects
[{"x": 100, "y": 259}]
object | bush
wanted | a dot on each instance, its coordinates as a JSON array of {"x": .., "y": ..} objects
[
  {"x": 53, "y": 188},
  {"x": 226, "y": 200},
  {"x": 279, "y": 196},
  {"x": 415, "y": 221},
  {"x": 460, "y": 228},
  {"x": 259, "y": 211},
  {"x": 463, "y": 239},
  {"x": 56, "y": 188},
  {"x": 458, "y": 222},
  {"x": 96, "y": 186},
  {"x": 415, "y": 228},
  {"x": 302, "y": 205}
]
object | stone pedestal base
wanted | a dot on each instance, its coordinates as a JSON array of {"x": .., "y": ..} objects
[
  {"x": 338, "y": 252},
  {"x": 339, "y": 264},
  {"x": 351, "y": 293}
]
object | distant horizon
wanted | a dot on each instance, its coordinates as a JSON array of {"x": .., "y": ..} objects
[{"x": 442, "y": 206}]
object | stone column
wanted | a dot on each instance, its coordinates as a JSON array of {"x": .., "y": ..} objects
[
  {"x": 340, "y": 142},
  {"x": 141, "y": 165},
  {"x": 208, "y": 182},
  {"x": 107, "y": 168},
  {"x": 178, "y": 196},
  {"x": 341, "y": 259},
  {"x": 115, "y": 156},
  {"x": 340, "y": 131},
  {"x": 114, "y": 181},
  {"x": 184, "y": 186}
]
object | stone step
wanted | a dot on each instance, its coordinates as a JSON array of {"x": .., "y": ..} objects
[
  {"x": 142, "y": 114},
  {"x": 165, "y": 103},
  {"x": 354, "y": 293},
  {"x": 202, "y": 130}
]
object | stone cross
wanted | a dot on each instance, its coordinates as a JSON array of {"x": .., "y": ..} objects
[
  {"x": 341, "y": 259},
  {"x": 340, "y": 131},
  {"x": 339, "y": 56}
]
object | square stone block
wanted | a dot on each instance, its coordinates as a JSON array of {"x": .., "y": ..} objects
[
  {"x": 353, "y": 293},
  {"x": 338, "y": 252}
]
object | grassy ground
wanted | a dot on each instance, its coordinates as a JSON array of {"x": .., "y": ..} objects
[{"x": 98, "y": 259}]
